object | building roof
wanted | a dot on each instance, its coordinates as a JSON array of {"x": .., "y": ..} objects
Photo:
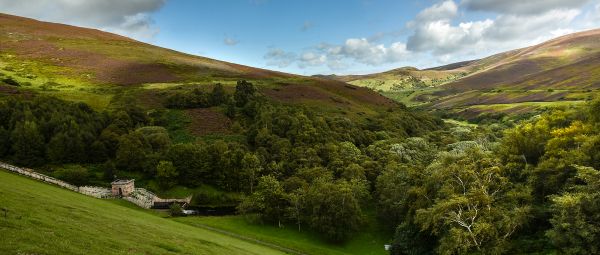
[{"x": 121, "y": 182}]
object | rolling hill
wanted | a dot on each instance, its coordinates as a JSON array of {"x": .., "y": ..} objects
[
  {"x": 561, "y": 71},
  {"x": 98, "y": 68},
  {"x": 44, "y": 219}
]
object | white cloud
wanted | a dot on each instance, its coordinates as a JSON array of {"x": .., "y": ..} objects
[
  {"x": 230, "y": 41},
  {"x": 280, "y": 58},
  {"x": 442, "y": 11},
  {"x": 443, "y": 33},
  {"x": 441, "y": 38},
  {"x": 312, "y": 59},
  {"x": 339, "y": 57},
  {"x": 363, "y": 51},
  {"x": 126, "y": 17}
]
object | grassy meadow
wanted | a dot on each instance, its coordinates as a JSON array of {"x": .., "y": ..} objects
[
  {"x": 369, "y": 241},
  {"x": 43, "y": 219}
]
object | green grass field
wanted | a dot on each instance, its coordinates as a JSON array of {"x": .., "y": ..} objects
[
  {"x": 369, "y": 241},
  {"x": 44, "y": 219}
]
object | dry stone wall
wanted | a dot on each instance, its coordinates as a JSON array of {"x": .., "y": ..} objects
[
  {"x": 141, "y": 197},
  {"x": 32, "y": 174},
  {"x": 97, "y": 192}
]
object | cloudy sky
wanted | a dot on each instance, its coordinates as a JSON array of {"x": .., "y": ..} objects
[{"x": 323, "y": 37}]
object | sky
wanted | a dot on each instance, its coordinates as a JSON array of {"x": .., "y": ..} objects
[{"x": 326, "y": 36}]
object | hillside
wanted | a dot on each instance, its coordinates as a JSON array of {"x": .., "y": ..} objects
[
  {"x": 44, "y": 219},
  {"x": 89, "y": 107},
  {"x": 92, "y": 66},
  {"x": 564, "y": 70},
  {"x": 403, "y": 78}
]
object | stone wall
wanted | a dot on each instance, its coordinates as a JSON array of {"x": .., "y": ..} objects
[
  {"x": 32, "y": 174},
  {"x": 141, "y": 197},
  {"x": 173, "y": 200},
  {"x": 97, "y": 192}
]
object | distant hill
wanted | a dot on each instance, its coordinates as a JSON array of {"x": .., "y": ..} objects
[
  {"x": 402, "y": 78},
  {"x": 96, "y": 67},
  {"x": 561, "y": 71},
  {"x": 108, "y": 58}
]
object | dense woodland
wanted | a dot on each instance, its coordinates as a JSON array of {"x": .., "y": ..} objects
[{"x": 503, "y": 187}]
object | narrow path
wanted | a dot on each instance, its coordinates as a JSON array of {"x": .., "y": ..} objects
[{"x": 249, "y": 239}]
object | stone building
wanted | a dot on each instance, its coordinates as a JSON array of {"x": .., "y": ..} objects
[{"x": 123, "y": 188}]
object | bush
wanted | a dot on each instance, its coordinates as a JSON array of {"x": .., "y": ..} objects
[
  {"x": 76, "y": 175},
  {"x": 10, "y": 81},
  {"x": 175, "y": 210}
]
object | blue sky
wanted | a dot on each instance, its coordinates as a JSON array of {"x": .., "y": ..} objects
[
  {"x": 322, "y": 37},
  {"x": 258, "y": 27}
]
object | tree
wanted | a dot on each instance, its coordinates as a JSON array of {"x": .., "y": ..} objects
[
  {"x": 527, "y": 141},
  {"x": 410, "y": 240},
  {"x": 251, "y": 169},
  {"x": 28, "y": 144},
  {"x": 109, "y": 171},
  {"x": 98, "y": 152},
  {"x": 67, "y": 147},
  {"x": 4, "y": 141},
  {"x": 296, "y": 207},
  {"x": 592, "y": 148},
  {"x": 230, "y": 109},
  {"x": 156, "y": 137},
  {"x": 244, "y": 91},
  {"x": 269, "y": 201},
  {"x": 333, "y": 210},
  {"x": 594, "y": 111},
  {"x": 131, "y": 153},
  {"x": 562, "y": 151},
  {"x": 401, "y": 191},
  {"x": 576, "y": 215},
  {"x": 190, "y": 162},
  {"x": 166, "y": 174},
  {"x": 414, "y": 150},
  {"x": 218, "y": 96},
  {"x": 476, "y": 208}
]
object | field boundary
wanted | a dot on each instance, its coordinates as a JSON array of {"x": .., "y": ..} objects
[{"x": 140, "y": 197}]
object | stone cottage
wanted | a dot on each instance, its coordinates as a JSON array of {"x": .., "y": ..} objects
[{"x": 122, "y": 188}]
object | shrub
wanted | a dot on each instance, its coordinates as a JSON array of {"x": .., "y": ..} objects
[
  {"x": 175, "y": 210},
  {"x": 76, "y": 175},
  {"x": 10, "y": 81}
]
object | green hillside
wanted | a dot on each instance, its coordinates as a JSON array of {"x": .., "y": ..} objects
[
  {"x": 561, "y": 71},
  {"x": 104, "y": 70},
  {"x": 86, "y": 107},
  {"x": 43, "y": 219}
]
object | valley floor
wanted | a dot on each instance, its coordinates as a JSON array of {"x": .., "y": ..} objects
[{"x": 369, "y": 241}]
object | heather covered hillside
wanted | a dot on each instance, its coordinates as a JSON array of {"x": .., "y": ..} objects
[
  {"x": 300, "y": 127},
  {"x": 558, "y": 72}
]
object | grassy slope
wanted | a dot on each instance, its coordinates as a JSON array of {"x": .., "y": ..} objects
[
  {"x": 45, "y": 219},
  {"x": 97, "y": 68},
  {"x": 557, "y": 72},
  {"x": 369, "y": 241}
]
